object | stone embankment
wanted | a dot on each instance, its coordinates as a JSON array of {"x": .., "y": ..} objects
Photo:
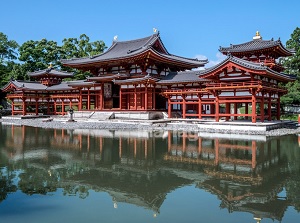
[{"x": 114, "y": 124}]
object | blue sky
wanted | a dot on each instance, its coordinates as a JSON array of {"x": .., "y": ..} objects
[{"x": 190, "y": 28}]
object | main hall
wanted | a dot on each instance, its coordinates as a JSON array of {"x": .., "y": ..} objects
[{"x": 142, "y": 76}]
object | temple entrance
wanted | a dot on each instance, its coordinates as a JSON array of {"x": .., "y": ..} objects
[{"x": 116, "y": 95}]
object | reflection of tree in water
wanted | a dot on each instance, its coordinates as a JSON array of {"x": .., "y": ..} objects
[
  {"x": 37, "y": 181},
  {"x": 293, "y": 191},
  {"x": 42, "y": 181},
  {"x": 292, "y": 154},
  {"x": 6, "y": 183},
  {"x": 81, "y": 190}
]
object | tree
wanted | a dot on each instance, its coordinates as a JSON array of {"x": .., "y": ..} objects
[
  {"x": 7, "y": 48},
  {"x": 37, "y": 55},
  {"x": 292, "y": 66},
  {"x": 8, "y": 53},
  {"x": 82, "y": 47}
]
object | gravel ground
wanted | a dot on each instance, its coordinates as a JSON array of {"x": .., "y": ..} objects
[{"x": 134, "y": 125}]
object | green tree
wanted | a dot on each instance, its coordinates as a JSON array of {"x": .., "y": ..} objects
[
  {"x": 37, "y": 55},
  {"x": 8, "y": 53},
  {"x": 292, "y": 66},
  {"x": 77, "y": 48},
  {"x": 82, "y": 47}
]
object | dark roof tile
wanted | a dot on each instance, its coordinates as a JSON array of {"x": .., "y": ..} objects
[
  {"x": 256, "y": 44},
  {"x": 127, "y": 49},
  {"x": 182, "y": 77},
  {"x": 50, "y": 72}
]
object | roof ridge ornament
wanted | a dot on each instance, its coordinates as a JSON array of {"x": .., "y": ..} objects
[
  {"x": 257, "y": 36},
  {"x": 155, "y": 30},
  {"x": 115, "y": 38}
]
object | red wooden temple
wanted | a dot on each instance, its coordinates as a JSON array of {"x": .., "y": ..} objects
[{"x": 141, "y": 75}]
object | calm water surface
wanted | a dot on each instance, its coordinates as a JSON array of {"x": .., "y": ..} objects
[{"x": 49, "y": 175}]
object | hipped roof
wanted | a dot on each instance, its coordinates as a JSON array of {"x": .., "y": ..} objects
[{"x": 130, "y": 49}]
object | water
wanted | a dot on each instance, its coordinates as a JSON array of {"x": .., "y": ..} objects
[{"x": 49, "y": 175}]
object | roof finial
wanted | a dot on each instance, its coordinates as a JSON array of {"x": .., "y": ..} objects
[
  {"x": 115, "y": 38},
  {"x": 154, "y": 30},
  {"x": 257, "y": 35}
]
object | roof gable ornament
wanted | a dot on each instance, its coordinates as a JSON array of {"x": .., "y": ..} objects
[
  {"x": 155, "y": 30},
  {"x": 115, "y": 38},
  {"x": 257, "y": 36}
]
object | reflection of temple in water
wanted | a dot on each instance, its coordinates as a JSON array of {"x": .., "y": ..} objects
[
  {"x": 246, "y": 175},
  {"x": 141, "y": 168}
]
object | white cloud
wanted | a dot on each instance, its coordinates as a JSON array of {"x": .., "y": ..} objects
[{"x": 212, "y": 62}]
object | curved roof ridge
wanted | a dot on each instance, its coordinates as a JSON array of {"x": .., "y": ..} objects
[
  {"x": 100, "y": 54},
  {"x": 114, "y": 44},
  {"x": 136, "y": 40},
  {"x": 50, "y": 71},
  {"x": 194, "y": 59}
]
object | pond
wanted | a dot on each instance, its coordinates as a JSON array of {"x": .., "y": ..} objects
[{"x": 81, "y": 175}]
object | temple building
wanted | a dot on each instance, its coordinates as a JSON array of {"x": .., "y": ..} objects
[{"x": 142, "y": 76}]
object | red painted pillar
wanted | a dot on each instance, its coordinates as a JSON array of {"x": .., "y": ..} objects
[
  {"x": 23, "y": 106},
  {"x": 169, "y": 107},
  {"x": 183, "y": 106},
  {"x": 88, "y": 99},
  {"x": 135, "y": 98},
  {"x": 253, "y": 107},
  {"x": 199, "y": 107},
  {"x": 120, "y": 96},
  {"x": 62, "y": 107},
  {"x": 262, "y": 108},
  {"x": 146, "y": 98},
  {"x": 102, "y": 97},
  {"x": 80, "y": 100},
  {"x": 217, "y": 109},
  {"x": 12, "y": 107}
]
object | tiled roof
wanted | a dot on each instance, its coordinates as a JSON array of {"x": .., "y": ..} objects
[
  {"x": 128, "y": 49},
  {"x": 256, "y": 44},
  {"x": 50, "y": 72},
  {"x": 147, "y": 78},
  {"x": 58, "y": 87},
  {"x": 37, "y": 86},
  {"x": 107, "y": 77},
  {"x": 29, "y": 85},
  {"x": 247, "y": 64},
  {"x": 80, "y": 83},
  {"x": 182, "y": 77}
]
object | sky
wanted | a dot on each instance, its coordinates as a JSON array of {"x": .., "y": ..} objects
[{"x": 190, "y": 28}]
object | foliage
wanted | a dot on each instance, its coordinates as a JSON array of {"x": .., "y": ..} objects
[
  {"x": 7, "y": 48},
  {"x": 82, "y": 47},
  {"x": 292, "y": 65},
  {"x": 37, "y": 55},
  {"x": 8, "y": 53}
]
